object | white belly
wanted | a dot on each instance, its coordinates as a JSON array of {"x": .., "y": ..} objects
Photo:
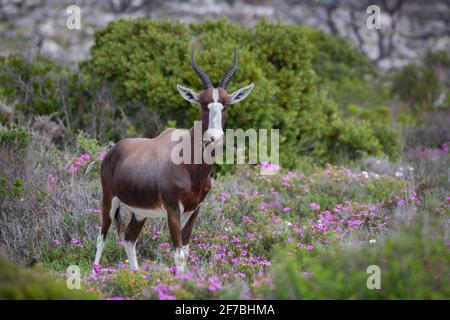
[
  {"x": 147, "y": 213},
  {"x": 155, "y": 213}
]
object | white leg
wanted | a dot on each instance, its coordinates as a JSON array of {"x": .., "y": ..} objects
[
  {"x": 186, "y": 251},
  {"x": 100, "y": 246},
  {"x": 115, "y": 202},
  {"x": 130, "y": 249},
  {"x": 180, "y": 256}
]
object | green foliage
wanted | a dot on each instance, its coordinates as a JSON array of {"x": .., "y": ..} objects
[
  {"x": 377, "y": 120},
  {"x": 421, "y": 84},
  {"x": 13, "y": 188},
  {"x": 375, "y": 114},
  {"x": 32, "y": 82},
  {"x": 413, "y": 263},
  {"x": 348, "y": 75},
  {"x": 40, "y": 86},
  {"x": 361, "y": 137},
  {"x": 17, "y": 283},
  {"x": 145, "y": 60},
  {"x": 334, "y": 59},
  {"x": 58, "y": 256},
  {"x": 89, "y": 145},
  {"x": 14, "y": 138},
  {"x": 416, "y": 85}
]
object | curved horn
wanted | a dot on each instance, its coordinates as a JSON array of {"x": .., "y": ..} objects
[
  {"x": 201, "y": 73},
  {"x": 226, "y": 78}
]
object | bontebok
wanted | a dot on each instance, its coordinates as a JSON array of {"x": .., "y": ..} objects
[{"x": 139, "y": 173}]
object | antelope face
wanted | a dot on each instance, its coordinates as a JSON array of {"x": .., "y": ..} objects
[{"x": 214, "y": 100}]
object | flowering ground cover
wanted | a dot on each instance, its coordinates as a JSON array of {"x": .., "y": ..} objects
[{"x": 308, "y": 233}]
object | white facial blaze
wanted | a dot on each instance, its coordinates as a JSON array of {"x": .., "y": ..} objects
[{"x": 215, "y": 130}]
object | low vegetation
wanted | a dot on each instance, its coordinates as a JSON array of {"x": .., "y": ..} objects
[{"x": 256, "y": 233}]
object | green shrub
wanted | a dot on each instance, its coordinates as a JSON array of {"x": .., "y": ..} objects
[
  {"x": 378, "y": 120},
  {"x": 416, "y": 85},
  {"x": 347, "y": 74},
  {"x": 14, "y": 138},
  {"x": 413, "y": 263},
  {"x": 425, "y": 84},
  {"x": 144, "y": 60},
  {"x": 17, "y": 283},
  {"x": 31, "y": 82},
  {"x": 88, "y": 145},
  {"x": 40, "y": 86},
  {"x": 12, "y": 189}
]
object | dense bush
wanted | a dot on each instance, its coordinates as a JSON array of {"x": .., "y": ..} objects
[
  {"x": 348, "y": 75},
  {"x": 14, "y": 138},
  {"x": 32, "y": 82},
  {"x": 424, "y": 85},
  {"x": 40, "y": 86},
  {"x": 144, "y": 60}
]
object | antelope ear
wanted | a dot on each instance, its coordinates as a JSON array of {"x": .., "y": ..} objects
[
  {"x": 189, "y": 94},
  {"x": 240, "y": 94}
]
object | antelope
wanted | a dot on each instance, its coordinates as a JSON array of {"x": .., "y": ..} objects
[{"x": 139, "y": 174}]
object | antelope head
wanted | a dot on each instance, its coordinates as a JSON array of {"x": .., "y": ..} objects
[{"x": 214, "y": 100}]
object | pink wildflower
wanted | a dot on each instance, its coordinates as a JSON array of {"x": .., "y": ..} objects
[{"x": 101, "y": 155}]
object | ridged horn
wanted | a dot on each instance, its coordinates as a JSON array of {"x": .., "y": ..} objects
[
  {"x": 227, "y": 77},
  {"x": 201, "y": 73}
]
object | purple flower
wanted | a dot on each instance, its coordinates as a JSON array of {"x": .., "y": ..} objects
[
  {"x": 85, "y": 157},
  {"x": 236, "y": 240},
  {"x": 73, "y": 168},
  {"x": 214, "y": 283},
  {"x": 262, "y": 205},
  {"x": 223, "y": 197},
  {"x": 156, "y": 235},
  {"x": 314, "y": 206},
  {"x": 96, "y": 267},
  {"x": 173, "y": 270},
  {"x": 270, "y": 167},
  {"x": 164, "y": 245},
  {"x": 354, "y": 222},
  {"x": 76, "y": 243},
  {"x": 101, "y": 155}
]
